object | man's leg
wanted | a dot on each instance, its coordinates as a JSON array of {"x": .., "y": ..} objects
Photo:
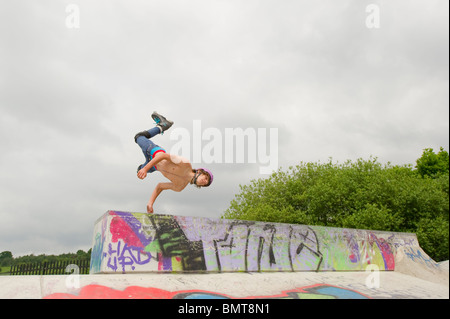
[
  {"x": 142, "y": 137},
  {"x": 143, "y": 140}
]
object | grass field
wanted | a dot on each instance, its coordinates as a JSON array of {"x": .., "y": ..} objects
[{"x": 4, "y": 271}]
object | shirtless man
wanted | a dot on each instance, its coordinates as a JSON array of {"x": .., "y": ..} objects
[{"x": 179, "y": 171}]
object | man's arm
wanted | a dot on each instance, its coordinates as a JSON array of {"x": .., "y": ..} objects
[
  {"x": 158, "y": 158},
  {"x": 158, "y": 189}
]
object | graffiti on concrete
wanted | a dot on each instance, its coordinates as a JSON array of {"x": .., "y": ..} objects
[
  {"x": 97, "y": 246},
  {"x": 127, "y": 242},
  {"x": 126, "y": 256},
  {"x": 415, "y": 254},
  {"x": 367, "y": 251},
  {"x": 319, "y": 291},
  {"x": 253, "y": 246},
  {"x": 165, "y": 243}
]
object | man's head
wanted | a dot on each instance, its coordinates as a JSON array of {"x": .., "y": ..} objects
[{"x": 203, "y": 177}]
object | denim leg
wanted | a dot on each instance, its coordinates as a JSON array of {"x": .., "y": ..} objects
[
  {"x": 146, "y": 145},
  {"x": 154, "y": 131}
]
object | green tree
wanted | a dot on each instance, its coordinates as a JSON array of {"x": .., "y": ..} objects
[
  {"x": 6, "y": 254},
  {"x": 6, "y": 258},
  {"x": 432, "y": 164},
  {"x": 363, "y": 194}
]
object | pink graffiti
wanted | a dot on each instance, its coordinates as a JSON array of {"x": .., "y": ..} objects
[
  {"x": 358, "y": 253},
  {"x": 121, "y": 230},
  {"x": 386, "y": 252},
  {"x": 136, "y": 292}
]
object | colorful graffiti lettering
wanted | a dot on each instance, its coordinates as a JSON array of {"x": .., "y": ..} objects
[
  {"x": 147, "y": 242},
  {"x": 126, "y": 256},
  {"x": 319, "y": 291},
  {"x": 166, "y": 244}
]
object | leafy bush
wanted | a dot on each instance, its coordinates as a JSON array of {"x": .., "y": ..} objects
[{"x": 363, "y": 194}]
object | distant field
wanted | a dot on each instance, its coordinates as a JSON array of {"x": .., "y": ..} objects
[{"x": 4, "y": 271}]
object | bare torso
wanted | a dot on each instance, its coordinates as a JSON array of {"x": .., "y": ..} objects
[
  {"x": 177, "y": 170},
  {"x": 179, "y": 174}
]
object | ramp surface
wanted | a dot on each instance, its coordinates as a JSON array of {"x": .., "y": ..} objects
[{"x": 285, "y": 285}]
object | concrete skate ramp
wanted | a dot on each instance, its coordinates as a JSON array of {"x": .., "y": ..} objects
[
  {"x": 138, "y": 255},
  {"x": 134, "y": 242}
]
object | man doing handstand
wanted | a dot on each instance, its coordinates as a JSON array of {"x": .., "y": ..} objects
[{"x": 178, "y": 171}]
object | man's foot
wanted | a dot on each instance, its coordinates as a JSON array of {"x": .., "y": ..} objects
[{"x": 161, "y": 121}]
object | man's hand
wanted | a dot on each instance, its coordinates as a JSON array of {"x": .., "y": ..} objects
[
  {"x": 158, "y": 189},
  {"x": 142, "y": 173}
]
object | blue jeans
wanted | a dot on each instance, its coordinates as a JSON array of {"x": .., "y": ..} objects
[{"x": 149, "y": 148}]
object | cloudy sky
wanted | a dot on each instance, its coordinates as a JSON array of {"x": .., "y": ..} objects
[{"x": 345, "y": 79}]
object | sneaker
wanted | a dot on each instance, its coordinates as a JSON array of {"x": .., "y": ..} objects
[{"x": 161, "y": 121}]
